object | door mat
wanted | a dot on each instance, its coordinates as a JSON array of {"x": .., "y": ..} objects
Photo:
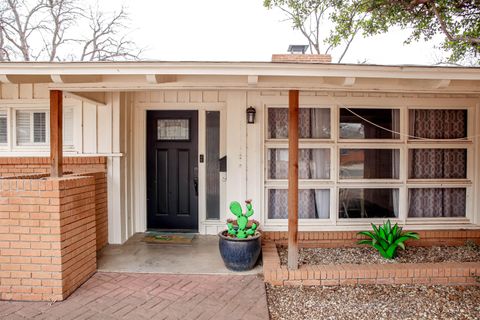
[{"x": 169, "y": 238}]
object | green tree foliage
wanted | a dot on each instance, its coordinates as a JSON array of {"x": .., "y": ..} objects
[{"x": 456, "y": 21}]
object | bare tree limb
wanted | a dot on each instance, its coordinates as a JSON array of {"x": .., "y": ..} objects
[
  {"x": 444, "y": 28},
  {"x": 40, "y": 29}
]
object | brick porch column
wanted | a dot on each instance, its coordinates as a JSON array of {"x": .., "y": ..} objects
[{"x": 47, "y": 236}]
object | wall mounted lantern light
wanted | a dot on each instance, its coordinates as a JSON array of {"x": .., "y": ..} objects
[{"x": 251, "y": 114}]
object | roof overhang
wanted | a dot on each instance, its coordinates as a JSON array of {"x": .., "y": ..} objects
[{"x": 112, "y": 76}]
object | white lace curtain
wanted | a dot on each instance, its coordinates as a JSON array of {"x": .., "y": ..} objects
[{"x": 313, "y": 164}]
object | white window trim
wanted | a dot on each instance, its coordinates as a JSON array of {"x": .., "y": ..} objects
[
  {"x": 31, "y": 145},
  {"x": 11, "y": 148},
  {"x": 403, "y": 183}
]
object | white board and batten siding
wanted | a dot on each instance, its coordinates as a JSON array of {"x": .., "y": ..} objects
[
  {"x": 117, "y": 129},
  {"x": 92, "y": 123},
  {"x": 96, "y": 132},
  {"x": 232, "y": 144}
]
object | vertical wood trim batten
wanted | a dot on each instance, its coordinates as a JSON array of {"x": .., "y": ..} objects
[
  {"x": 56, "y": 141},
  {"x": 293, "y": 178}
]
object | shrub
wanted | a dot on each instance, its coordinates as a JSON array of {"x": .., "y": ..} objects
[{"x": 386, "y": 239}]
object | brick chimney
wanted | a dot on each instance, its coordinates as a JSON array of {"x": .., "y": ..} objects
[
  {"x": 297, "y": 55},
  {"x": 301, "y": 58}
]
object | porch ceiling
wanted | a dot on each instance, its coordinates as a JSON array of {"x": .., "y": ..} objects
[{"x": 131, "y": 76}]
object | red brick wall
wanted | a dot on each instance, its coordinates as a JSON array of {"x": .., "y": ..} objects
[
  {"x": 455, "y": 273},
  {"x": 302, "y": 58},
  {"x": 22, "y": 167},
  {"x": 349, "y": 238},
  {"x": 101, "y": 207},
  {"x": 47, "y": 237},
  {"x": 15, "y": 166}
]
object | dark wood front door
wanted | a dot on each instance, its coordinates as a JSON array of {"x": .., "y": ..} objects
[{"x": 172, "y": 170}]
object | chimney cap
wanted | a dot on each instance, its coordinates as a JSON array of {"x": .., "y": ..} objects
[{"x": 297, "y": 48}]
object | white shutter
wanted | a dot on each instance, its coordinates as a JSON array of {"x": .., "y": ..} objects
[
  {"x": 39, "y": 127},
  {"x": 68, "y": 127},
  {"x": 3, "y": 128},
  {"x": 23, "y": 127}
]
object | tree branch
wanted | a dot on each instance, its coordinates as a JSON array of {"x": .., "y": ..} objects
[{"x": 444, "y": 28}]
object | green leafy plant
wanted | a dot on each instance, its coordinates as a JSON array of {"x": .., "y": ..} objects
[
  {"x": 386, "y": 239},
  {"x": 241, "y": 229}
]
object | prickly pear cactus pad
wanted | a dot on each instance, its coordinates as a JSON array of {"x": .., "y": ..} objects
[{"x": 241, "y": 230}]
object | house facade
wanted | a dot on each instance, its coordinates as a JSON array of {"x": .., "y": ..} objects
[{"x": 375, "y": 142}]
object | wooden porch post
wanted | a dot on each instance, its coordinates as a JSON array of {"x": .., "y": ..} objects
[
  {"x": 293, "y": 179},
  {"x": 56, "y": 140}
]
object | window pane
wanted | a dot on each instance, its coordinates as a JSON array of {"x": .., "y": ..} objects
[
  {"x": 23, "y": 127},
  {"x": 212, "y": 164},
  {"x": 68, "y": 127},
  {"x": 173, "y": 129},
  {"x": 369, "y": 163},
  {"x": 438, "y": 124},
  {"x": 313, "y": 123},
  {"x": 312, "y": 204},
  {"x": 437, "y": 163},
  {"x": 437, "y": 202},
  {"x": 312, "y": 163},
  {"x": 3, "y": 128},
  {"x": 368, "y": 203},
  {"x": 39, "y": 127},
  {"x": 359, "y": 125}
]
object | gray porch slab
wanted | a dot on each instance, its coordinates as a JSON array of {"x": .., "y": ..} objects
[{"x": 201, "y": 257}]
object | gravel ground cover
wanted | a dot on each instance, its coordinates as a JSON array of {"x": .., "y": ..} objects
[
  {"x": 367, "y": 255},
  {"x": 374, "y": 302}
]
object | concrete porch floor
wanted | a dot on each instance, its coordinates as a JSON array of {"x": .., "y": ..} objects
[{"x": 201, "y": 257}]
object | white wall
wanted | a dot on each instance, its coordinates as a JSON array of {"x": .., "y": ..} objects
[
  {"x": 98, "y": 130},
  {"x": 201, "y": 101},
  {"x": 116, "y": 129}
]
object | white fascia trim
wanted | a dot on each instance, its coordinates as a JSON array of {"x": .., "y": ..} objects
[{"x": 239, "y": 68}]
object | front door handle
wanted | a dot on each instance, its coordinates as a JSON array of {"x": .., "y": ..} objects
[
  {"x": 195, "y": 185},
  {"x": 195, "y": 180}
]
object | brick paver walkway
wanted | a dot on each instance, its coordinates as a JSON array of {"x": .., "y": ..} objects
[{"x": 152, "y": 296}]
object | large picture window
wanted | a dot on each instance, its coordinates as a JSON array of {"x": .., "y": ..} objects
[{"x": 397, "y": 162}]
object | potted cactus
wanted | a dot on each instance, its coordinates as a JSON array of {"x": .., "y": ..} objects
[{"x": 240, "y": 244}]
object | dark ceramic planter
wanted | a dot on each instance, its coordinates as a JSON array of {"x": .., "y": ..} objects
[{"x": 240, "y": 254}]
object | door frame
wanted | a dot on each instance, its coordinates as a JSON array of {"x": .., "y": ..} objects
[
  {"x": 140, "y": 152},
  {"x": 172, "y": 222}
]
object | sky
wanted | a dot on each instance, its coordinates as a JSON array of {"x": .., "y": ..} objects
[{"x": 233, "y": 30}]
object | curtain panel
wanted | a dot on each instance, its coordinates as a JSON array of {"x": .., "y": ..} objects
[
  {"x": 314, "y": 123},
  {"x": 437, "y": 163}
]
